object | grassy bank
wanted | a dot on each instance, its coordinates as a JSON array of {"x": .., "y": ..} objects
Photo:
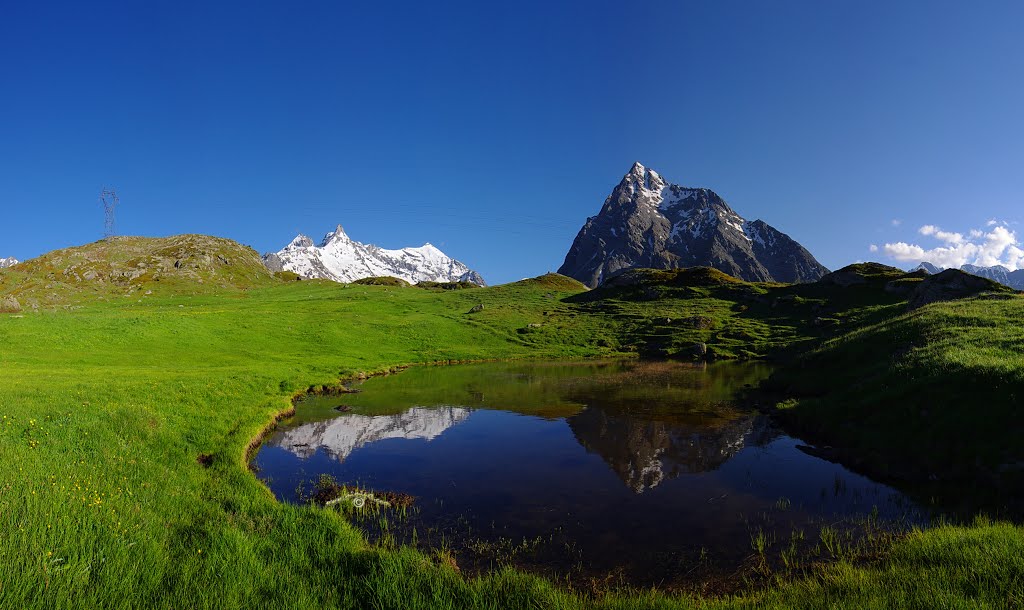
[
  {"x": 107, "y": 408},
  {"x": 936, "y": 394}
]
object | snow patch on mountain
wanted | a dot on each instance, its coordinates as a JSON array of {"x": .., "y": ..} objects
[
  {"x": 342, "y": 259},
  {"x": 8, "y": 262}
]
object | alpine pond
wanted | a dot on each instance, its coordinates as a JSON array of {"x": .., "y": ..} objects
[{"x": 622, "y": 472}]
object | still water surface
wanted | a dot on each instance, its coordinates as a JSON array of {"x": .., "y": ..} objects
[{"x": 631, "y": 469}]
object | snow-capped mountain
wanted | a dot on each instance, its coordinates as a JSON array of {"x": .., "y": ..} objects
[
  {"x": 648, "y": 222},
  {"x": 928, "y": 268},
  {"x": 997, "y": 273},
  {"x": 341, "y": 259},
  {"x": 8, "y": 262},
  {"x": 340, "y": 436}
]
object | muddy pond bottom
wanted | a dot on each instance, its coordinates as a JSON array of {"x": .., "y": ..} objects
[{"x": 635, "y": 473}]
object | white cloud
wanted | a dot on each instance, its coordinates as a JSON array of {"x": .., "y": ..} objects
[
  {"x": 998, "y": 246},
  {"x": 872, "y": 248},
  {"x": 949, "y": 238},
  {"x": 896, "y": 222},
  {"x": 1015, "y": 257}
]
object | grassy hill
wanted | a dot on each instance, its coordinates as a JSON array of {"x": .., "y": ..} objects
[
  {"x": 106, "y": 408},
  {"x": 120, "y": 268}
]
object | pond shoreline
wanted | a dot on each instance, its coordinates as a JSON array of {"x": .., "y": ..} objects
[
  {"x": 339, "y": 387},
  {"x": 532, "y": 371}
]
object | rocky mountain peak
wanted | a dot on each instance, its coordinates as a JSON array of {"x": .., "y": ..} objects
[
  {"x": 338, "y": 236},
  {"x": 639, "y": 185},
  {"x": 300, "y": 241},
  {"x": 928, "y": 268},
  {"x": 648, "y": 222},
  {"x": 8, "y": 262}
]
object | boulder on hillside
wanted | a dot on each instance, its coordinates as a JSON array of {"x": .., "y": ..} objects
[
  {"x": 949, "y": 285},
  {"x": 9, "y": 304}
]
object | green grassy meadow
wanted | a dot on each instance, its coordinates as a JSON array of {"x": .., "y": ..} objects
[{"x": 109, "y": 398}]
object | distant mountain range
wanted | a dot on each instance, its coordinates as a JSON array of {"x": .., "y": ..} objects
[
  {"x": 341, "y": 259},
  {"x": 648, "y": 222},
  {"x": 8, "y": 262},
  {"x": 997, "y": 273}
]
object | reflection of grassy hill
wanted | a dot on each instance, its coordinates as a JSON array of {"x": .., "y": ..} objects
[
  {"x": 105, "y": 410},
  {"x": 551, "y": 389}
]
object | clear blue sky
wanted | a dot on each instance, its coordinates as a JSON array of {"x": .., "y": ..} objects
[{"x": 494, "y": 129}]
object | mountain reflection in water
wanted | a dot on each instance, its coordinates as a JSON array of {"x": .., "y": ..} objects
[
  {"x": 341, "y": 436},
  {"x": 594, "y": 468},
  {"x": 643, "y": 453}
]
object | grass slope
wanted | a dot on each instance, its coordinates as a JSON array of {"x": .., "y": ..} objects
[
  {"x": 119, "y": 268},
  {"x": 937, "y": 393},
  {"x": 106, "y": 410}
]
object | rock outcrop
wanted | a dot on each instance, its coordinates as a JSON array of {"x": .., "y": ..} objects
[{"x": 952, "y": 284}]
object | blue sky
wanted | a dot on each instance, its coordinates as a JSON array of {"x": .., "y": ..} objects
[{"x": 492, "y": 130}]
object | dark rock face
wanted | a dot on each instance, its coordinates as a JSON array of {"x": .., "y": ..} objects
[
  {"x": 473, "y": 278},
  {"x": 273, "y": 263},
  {"x": 647, "y": 222}
]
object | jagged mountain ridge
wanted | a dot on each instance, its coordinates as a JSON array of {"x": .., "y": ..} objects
[
  {"x": 8, "y": 262},
  {"x": 648, "y": 222},
  {"x": 342, "y": 259},
  {"x": 996, "y": 273},
  {"x": 340, "y": 436}
]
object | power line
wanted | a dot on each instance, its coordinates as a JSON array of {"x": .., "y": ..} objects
[{"x": 108, "y": 197}]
